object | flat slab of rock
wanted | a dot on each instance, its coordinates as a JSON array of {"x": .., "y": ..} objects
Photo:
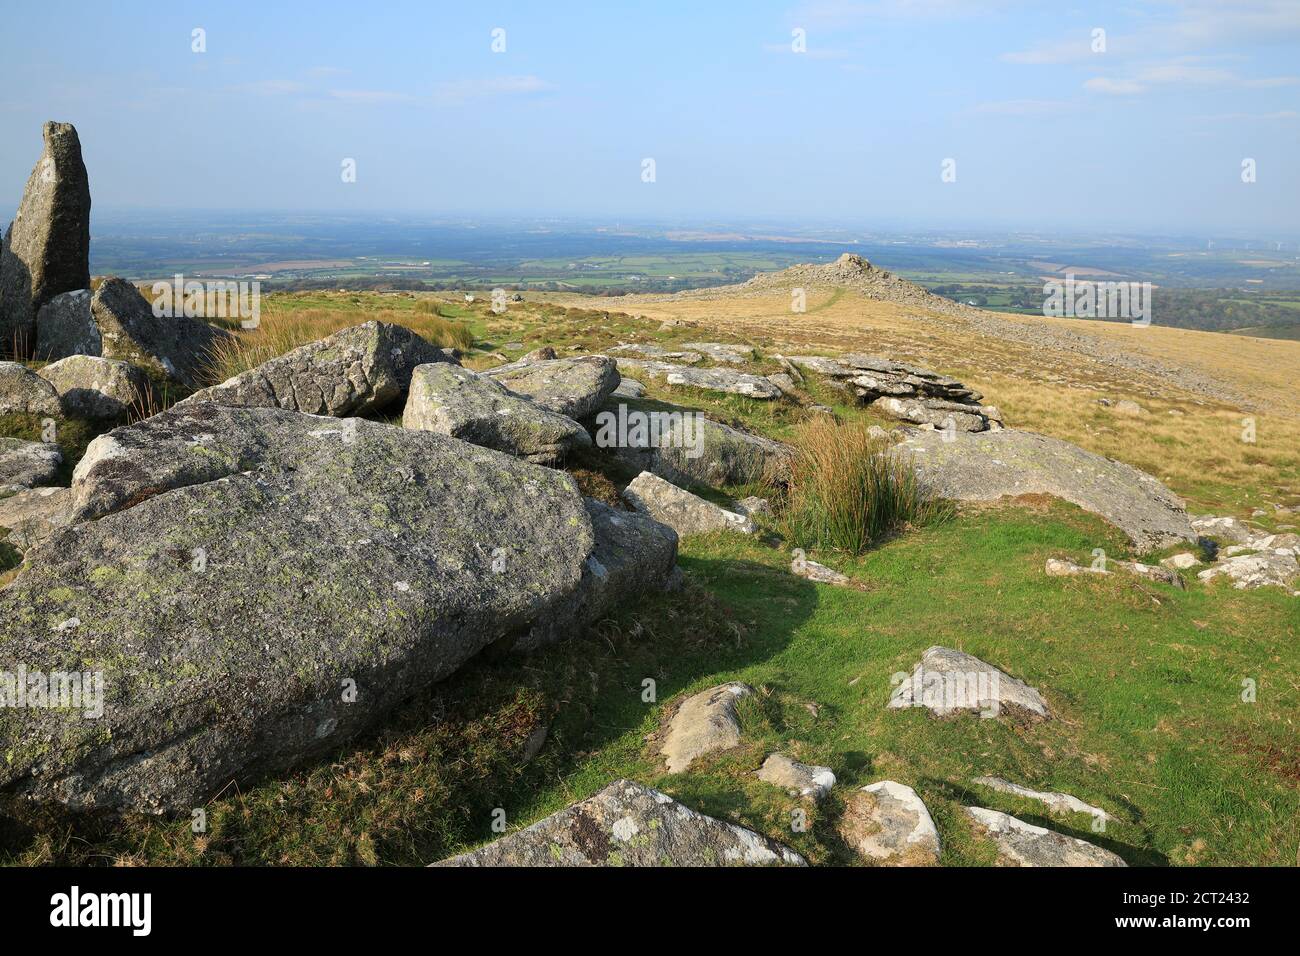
[
  {"x": 99, "y": 389},
  {"x": 1259, "y": 570},
  {"x": 704, "y": 723},
  {"x": 355, "y": 371},
  {"x": 451, "y": 400},
  {"x": 255, "y": 615},
  {"x": 945, "y": 681},
  {"x": 28, "y": 464},
  {"x": 682, "y": 511},
  {"x": 890, "y": 825},
  {"x": 797, "y": 779},
  {"x": 176, "y": 347},
  {"x": 575, "y": 386},
  {"x": 947, "y": 415},
  {"x": 33, "y": 514},
  {"x": 64, "y": 327},
  {"x": 1054, "y": 801},
  {"x": 47, "y": 249},
  {"x": 723, "y": 351},
  {"x": 818, "y": 573},
  {"x": 990, "y": 465},
  {"x": 1023, "y": 844},
  {"x": 725, "y": 380},
  {"x": 23, "y": 392},
  {"x": 659, "y": 352},
  {"x": 629, "y": 824}
]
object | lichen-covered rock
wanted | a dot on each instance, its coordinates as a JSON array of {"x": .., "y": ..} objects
[
  {"x": 889, "y": 825},
  {"x": 28, "y": 464},
  {"x": 23, "y": 392},
  {"x": 96, "y": 388},
  {"x": 682, "y": 511},
  {"x": 725, "y": 380},
  {"x": 727, "y": 352},
  {"x": 352, "y": 372},
  {"x": 986, "y": 466},
  {"x": 818, "y": 573},
  {"x": 544, "y": 354},
  {"x": 47, "y": 249},
  {"x": 454, "y": 401},
  {"x": 798, "y": 779},
  {"x": 575, "y": 387},
  {"x": 268, "y": 608},
  {"x": 629, "y": 824},
  {"x": 1259, "y": 570},
  {"x": 945, "y": 681},
  {"x": 705, "y": 723},
  {"x": 1054, "y": 800},
  {"x": 65, "y": 326},
  {"x": 172, "y": 347},
  {"x": 628, "y": 388},
  {"x": 659, "y": 352},
  {"x": 966, "y": 418},
  {"x": 30, "y": 516},
  {"x": 1225, "y": 528},
  {"x": 1023, "y": 844}
]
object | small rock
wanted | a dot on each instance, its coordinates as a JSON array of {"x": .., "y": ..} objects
[
  {"x": 784, "y": 382},
  {"x": 23, "y": 392},
  {"x": 544, "y": 354},
  {"x": 945, "y": 681},
  {"x": 1225, "y": 529},
  {"x": 1053, "y": 800},
  {"x": 575, "y": 387},
  {"x": 1128, "y": 407},
  {"x": 1181, "y": 561},
  {"x": 1023, "y": 844},
  {"x": 889, "y": 824},
  {"x": 682, "y": 511},
  {"x": 1060, "y": 568},
  {"x": 799, "y": 779},
  {"x": 819, "y": 573},
  {"x": 754, "y": 505},
  {"x": 629, "y": 388},
  {"x": 28, "y": 464},
  {"x": 704, "y": 723}
]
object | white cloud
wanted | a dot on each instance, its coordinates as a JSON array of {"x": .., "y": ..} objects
[{"x": 458, "y": 91}]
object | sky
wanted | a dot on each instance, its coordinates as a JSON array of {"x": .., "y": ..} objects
[{"x": 1048, "y": 124}]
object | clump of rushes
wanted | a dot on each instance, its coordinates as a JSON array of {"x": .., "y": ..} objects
[
  {"x": 281, "y": 331},
  {"x": 847, "y": 490}
]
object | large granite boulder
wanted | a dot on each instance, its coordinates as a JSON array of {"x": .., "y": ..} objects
[
  {"x": 682, "y": 511},
  {"x": 47, "y": 249},
  {"x": 946, "y": 681},
  {"x": 575, "y": 387},
  {"x": 1023, "y": 844},
  {"x": 989, "y": 465},
  {"x": 176, "y": 348},
  {"x": 65, "y": 326},
  {"x": 355, "y": 371},
  {"x": 270, "y": 605},
  {"x": 454, "y": 401},
  {"x": 23, "y": 392},
  {"x": 100, "y": 389},
  {"x": 28, "y": 464},
  {"x": 630, "y": 824}
]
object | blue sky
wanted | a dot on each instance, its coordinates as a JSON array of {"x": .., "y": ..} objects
[{"x": 1147, "y": 136}]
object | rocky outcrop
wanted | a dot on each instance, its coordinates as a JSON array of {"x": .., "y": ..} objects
[
  {"x": 658, "y": 352},
  {"x": 991, "y": 465},
  {"x": 727, "y": 352},
  {"x": 797, "y": 779},
  {"x": 724, "y": 380},
  {"x": 29, "y": 517},
  {"x": 575, "y": 387},
  {"x": 28, "y": 464},
  {"x": 1023, "y": 844},
  {"x": 355, "y": 371},
  {"x": 887, "y": 824},
  {"x": 47, "y": 249},
  {"x": 23, "y": 392},
  {"x": 1226, "y": 528},
  {"x": 945, "y": 681},
  {"x": 682, "y": 511},
  {"x": 175, "y": 348},
  {"x": 1261, "y": 569},
  {"x": 100, "y": 389},
  {"x": 65, "y": 326},
  {"x": 1059, "y": 568},
  {"x": 454, "y": 401},
  {"x": 288, "y": 580},
  {"x": 629, "y": 824},
  {"x": 705, "y": 723}
]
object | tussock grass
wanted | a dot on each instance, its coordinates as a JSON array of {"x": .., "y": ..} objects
[{"x": 848, "y": 490}]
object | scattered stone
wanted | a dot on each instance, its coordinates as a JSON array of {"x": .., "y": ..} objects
[
  {"x": 629, "y": 824},
  {"x": 704, "y": 723},
  {"x": 281, "y": 555},
  {"x": 754, "y": 505},
  {"x": 1127, "y": 406},
  {"x": 659, "y": 352},
  {"x": 784, "y": 382},
  {"x": 1181, "y": 561},
  {"x": 100, "y": 389},
  {"x": 629, "y": 388},
  {"x": 890, "y": 825},
  {"x": 23, "y": 392},
  {"x": 682, "y": 511},
  {"x": 989, "y": 465},
  {"x": 724, "y": 352},
  {"x": 818, "y": 573},
  {"x": 33, "y": 514},
  {"x": 64, "y": 327},
  {"x": 177, "y": 348},
  {"x": 725, "y": 380},
  {"x": 1023, "y": 844},
  {"x": 544, "y": 354},
  {"x": 352, "y": 372},
  {"x": 575, "y": 387},
  {"x": 966, "y": 418},
  {"x": 1053, "y": 800},
  {"x": 945, "y": 681},
  {"x": 1258, "y": 570},
  {"x": 28, "y": 464},
  {"x": 454, "y": 401},
  {"x": 1224, "y": 529},
  {"x": 1060, "y": 568},
  {"x": 1162, "y": 574},
  {"x": 798, "y": 779},
  {"x": 47, "y": 248}
]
